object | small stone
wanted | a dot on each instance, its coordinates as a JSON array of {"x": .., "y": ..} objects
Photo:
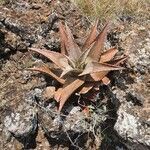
[
  {"x": 129, "y": 127},
  {"x": 20, "y": 125},
  {"x": 49, "y": 92},
  {"x": 142, "y": 28}
]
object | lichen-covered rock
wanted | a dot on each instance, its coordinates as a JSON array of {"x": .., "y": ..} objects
[
  {"x": 131, "y": 128},
  {"x": 22, "y": 123},
  {"x": 133, "y": 114},
  {"x": 72, "y": 127},
  {"x": 21, "y": 126}
]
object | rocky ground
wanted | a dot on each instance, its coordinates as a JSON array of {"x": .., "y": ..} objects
[{"x": 119, "y": 118}]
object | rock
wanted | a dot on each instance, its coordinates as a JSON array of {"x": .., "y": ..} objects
[
  {"x": 61, "y": 128},
  {"x": 49, "y": 92},
  {"x": 23, "y": 122},
  {"x": 131, "y": 128},
  {"x": 21, "y": 126},
  {"x": 132, "y": 123}
]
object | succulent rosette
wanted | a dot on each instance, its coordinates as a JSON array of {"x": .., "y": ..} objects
[{"x": 79, "y": 69}]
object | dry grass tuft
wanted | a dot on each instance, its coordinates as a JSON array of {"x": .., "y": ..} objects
[
  {"x": 111, "y": 9},
  {"x": 1, "y": 2}
]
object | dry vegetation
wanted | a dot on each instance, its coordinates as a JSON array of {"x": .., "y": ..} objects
[
  {"x": 111, "y": 9},
  {"x": 1, "y": 1}
]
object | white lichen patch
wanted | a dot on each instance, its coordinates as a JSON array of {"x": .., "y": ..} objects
[
  {"x": 131, "y": 128},
  {"x": 20, "y": 125},
  {"x": 127, "y": 124}
]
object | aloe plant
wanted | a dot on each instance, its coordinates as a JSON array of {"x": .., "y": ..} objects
[{"x": 79, "y": 69}]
